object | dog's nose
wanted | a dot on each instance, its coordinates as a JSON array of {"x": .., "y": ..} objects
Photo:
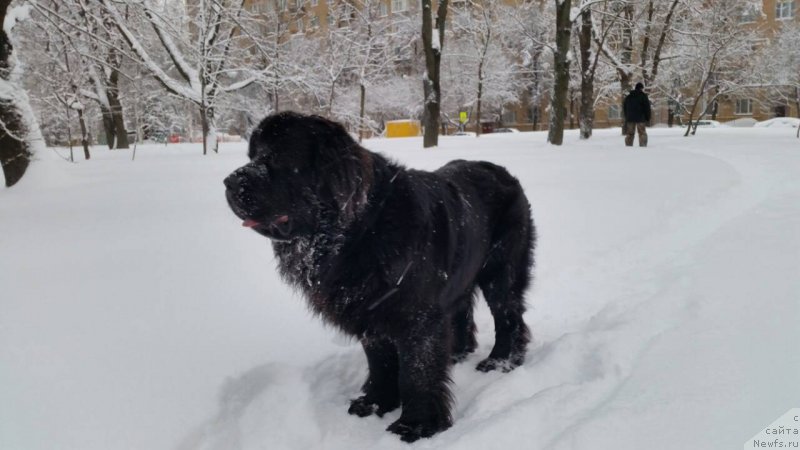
[{"x": 232, "y": 182}]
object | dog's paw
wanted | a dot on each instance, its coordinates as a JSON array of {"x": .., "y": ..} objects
[
  {"x": 363, "y": 407},
  {"x": 503, "y": 365},
  {"x": 456, "y": 358},
  {"x": 410, "y": 431}
]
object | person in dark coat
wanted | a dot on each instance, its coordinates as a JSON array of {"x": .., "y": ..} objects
[{"x": 636, "y": 109}]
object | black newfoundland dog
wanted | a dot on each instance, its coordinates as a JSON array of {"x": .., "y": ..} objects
[{"x": 393, "y": 256}]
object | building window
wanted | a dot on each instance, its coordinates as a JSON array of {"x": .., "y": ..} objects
[
  {"x": 784, "y": 9},
  {"x": 299, "y": 25},
  {"x": 329, "y": 2},
  {"x": 744, "y": 107},
  {"x": 750, "y": 14},
  {"x": 399, "y": 5},
  {"x": 314, "y": 21},
  {"x": 331, "y": 19},
  {"x": 281, "y": 5},
  {"x": 298, "y": 4},
  {"x": 383, "y": 9},
  {"x": 613, "y": 112},
  {"x": 314, "y": 2},
  {"x": 509, "y": 116}
]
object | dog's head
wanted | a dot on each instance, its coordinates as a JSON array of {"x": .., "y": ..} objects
[{"x": 302, "y": 170}]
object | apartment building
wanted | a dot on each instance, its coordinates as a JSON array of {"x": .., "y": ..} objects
[{"x": 761, "y": 104}]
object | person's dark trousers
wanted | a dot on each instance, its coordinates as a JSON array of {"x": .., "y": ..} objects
[{"x": 633, "y": 127}]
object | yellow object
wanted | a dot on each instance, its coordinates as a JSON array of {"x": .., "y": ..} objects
[
  {"x": 403, "y": 128},
  {"x": 463, "y": 117}
]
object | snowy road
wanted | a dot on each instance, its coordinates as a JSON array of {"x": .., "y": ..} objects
[{"x": 136, "y": 313}]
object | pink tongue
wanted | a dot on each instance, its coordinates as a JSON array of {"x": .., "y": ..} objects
[{"x": 249, "y": 223}]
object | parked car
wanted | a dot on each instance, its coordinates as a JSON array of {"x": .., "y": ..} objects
[
  {"x": 506, "y": 130},
  {"x": 779, "y": 122},
  {"x": 705, "y": 124}
]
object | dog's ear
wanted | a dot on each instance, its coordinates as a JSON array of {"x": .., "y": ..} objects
[
  {"x": 346, "y": 165},
  {"x": 335, "y": 141}
]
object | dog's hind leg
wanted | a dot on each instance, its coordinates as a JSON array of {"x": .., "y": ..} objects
[{"x": 503, "y": 281}]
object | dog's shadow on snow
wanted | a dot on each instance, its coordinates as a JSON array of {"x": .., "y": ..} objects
[
  {"x": 280, "y": 406},
  {"x": 278, "y": 403}
]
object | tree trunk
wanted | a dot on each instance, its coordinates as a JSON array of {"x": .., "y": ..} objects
[
  {"x": 797, "y": 105},
  {"x": 117, "y": 117},
  {"x": 478, "y": 127},
  {"x": 361, "y": 113},
  {"x": 587, "y": 76},
  {"x": 15, "y": 153},
  {"x": 84, "y": 135},
  {"x": 571, "y": 110},
  {"x": 561, "y": 72},
  {"x": 211, "y": 123},
  {"x": 625, "y": 76},
  {"x": 204, "y": 126},
  {"x": 108, "y": 127},
  {"x": 69, "y": 132},
  {"x": 331, "y": 97},
  {"x": 433, "y": 57}
]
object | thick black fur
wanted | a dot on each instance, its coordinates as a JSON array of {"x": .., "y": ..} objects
[{"x": 393, "y": 256}]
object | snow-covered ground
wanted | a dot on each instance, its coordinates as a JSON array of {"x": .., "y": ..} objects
[{"x": 136, "y": 312}]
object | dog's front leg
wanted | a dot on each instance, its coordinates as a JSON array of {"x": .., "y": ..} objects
[
  {"x": 381, "y": 388},
  {"x": 424, "y": 356}
]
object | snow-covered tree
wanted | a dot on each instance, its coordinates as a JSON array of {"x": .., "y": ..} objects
[
  {"x": 778, "y": 65},
  {"x": 19, "y": 132},
  {"x": 432, "y": 44},
  {"x": 63, "y": 83},
  {"x": 195, "y": 53},
  {"x": 561, "y": 71},
  {"x": 714, "y": 55},
  {"x": 529, "y": 28},
  {"x": 478, "y": 71},
  {"x": 380, "y": 45},
  {"x": 333, "y": 59},
  {"x": 634, "y": 36}
]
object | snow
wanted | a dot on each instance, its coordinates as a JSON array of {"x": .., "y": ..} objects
[
  {"x": 15, "y": 15},
  {"x": 76, "y": 105},
  {"x": 136, "y": 312}
]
